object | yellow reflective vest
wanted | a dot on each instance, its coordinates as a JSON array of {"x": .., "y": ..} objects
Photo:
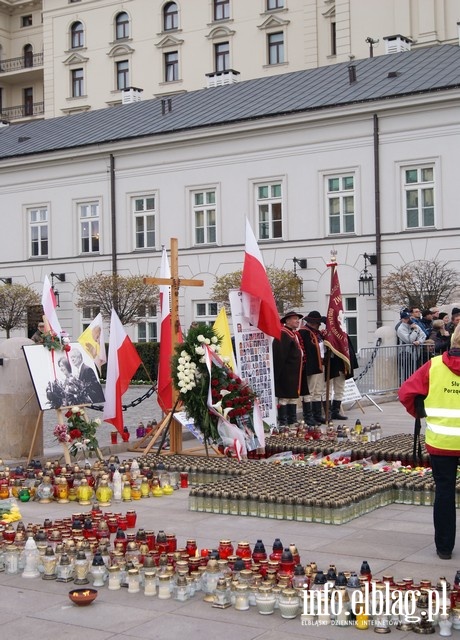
[{"x": 442, "y": 407}]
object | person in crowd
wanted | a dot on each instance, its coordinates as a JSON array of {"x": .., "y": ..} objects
[
  {"x": 434, "y": 313},
  {"x": 454, "y": 320},
  {"x": 444, "y": 316},
  {"x": 427, "y": 321},
  {"x": 85, "y": 374},
  {"x": 416, "y": 318},
  {"x": 432, "y": 392},
  {"x": 288, "y": 362},
  {"x": 338, "y": 377},
  {"x": 440, "y": 337},
  {"x": 313, "y": 344},
  {"x": 38, "y": 336},
  {"x": 411, "y": 336}
]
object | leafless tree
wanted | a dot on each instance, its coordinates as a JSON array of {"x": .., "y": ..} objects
[
  {"x": 423, "y": 284},
  {"x": 128, "y": 295},
  {"x": 15, "y": 300}
]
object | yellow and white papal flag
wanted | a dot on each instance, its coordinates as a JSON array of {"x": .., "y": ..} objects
[{"x": 92, "y": 341}]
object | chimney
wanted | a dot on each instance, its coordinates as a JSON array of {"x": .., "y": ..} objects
[
  {"x": 397, "y": 44},
  {"x": 131, "y": 94},
  {"x": 352, "y": 73},
  {"x": 458, "y": 32}
]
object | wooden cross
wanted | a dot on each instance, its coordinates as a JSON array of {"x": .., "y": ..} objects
[{"x": 175, "y": 283}]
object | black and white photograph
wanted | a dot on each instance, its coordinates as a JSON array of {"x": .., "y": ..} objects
[{"x": 63, "y": 379}]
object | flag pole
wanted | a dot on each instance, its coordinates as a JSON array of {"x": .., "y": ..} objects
[{"x": 332, "y": 264}]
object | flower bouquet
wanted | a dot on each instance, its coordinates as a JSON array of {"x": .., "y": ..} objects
[
  {"x": 79, "y": 433},
  {"x": 231, "y": 398}
]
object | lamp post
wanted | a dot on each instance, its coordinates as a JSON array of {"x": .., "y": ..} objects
[{"x": 61, "y": 278}]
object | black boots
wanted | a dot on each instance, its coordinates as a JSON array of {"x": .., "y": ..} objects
[
  {"x": 308, "y": 415},
  {"x": 317, "y": 408},
  {"x": 282, "y": 415},
  {"x": 292, "y": 414},
  {"x": 335, "y": 413}
]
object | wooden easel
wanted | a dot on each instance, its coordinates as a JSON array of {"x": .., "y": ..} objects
[{"x": 175, "y": 428}]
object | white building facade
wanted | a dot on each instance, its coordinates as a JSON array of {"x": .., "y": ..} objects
[
  {"x": 67, "y": 56},
  {"x": 361, "y": 174}
]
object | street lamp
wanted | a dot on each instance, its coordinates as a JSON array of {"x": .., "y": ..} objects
[
  {"x": 366, "y": 280},
  {"x": 61, "y": 278}
]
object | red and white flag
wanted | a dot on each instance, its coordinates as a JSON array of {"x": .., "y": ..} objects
[
  {"x": 49, "y": 304},
  {"x": 259, "y": 306},
  {"x": 122, "y": 364},
  {"x": 336, "y": 335},
  {"x": 164, "y": 385}
]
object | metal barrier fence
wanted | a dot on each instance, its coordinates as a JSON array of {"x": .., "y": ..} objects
[{"x": 384, "y": 369}]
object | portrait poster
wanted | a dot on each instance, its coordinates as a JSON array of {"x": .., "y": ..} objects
[
  {"x": 63, "y": 379},
  {"x": 254, "y": 358}
]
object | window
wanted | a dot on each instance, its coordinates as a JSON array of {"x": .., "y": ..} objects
[
  {"x": 269, "y": 211},
  {"x": 275, "y": 48},
  {"x": 38, "y": 220},
  {"x": 204, "y": 212},
  {"x": 170, "y": 17},
  {"x": 221, "y": 9},
  {"x": 77, "y": 35},
  {"x": 275, "y": 4},
  {"x": 171, "y": 66},
  {"x": 144, "y": 222},
  {"x": 26, "y": 21},
  {"x": 206, "y": 312},
  {"x": 333, "y": 39},
  {"x": 147, "y": 328},
  {"x": 419, "y": 197},
  {"x": 28, "y": 96},
  {"x": 77, "y": 83},
  {"x": 122, "y": 26},
  {"x": 88, "y": 314},
  {"x": 28, "y": 53},
  {"x": 122, "y": 74},
  {"x": 222, "y": 56},
  {"x": 350, "y": 308},
  {"x": 341, "y": 204},
  {"x": 89, "y": 226}
]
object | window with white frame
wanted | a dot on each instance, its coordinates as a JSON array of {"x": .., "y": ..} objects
[
  {"x": 204, "y": 216},
  {"x": 38, "y": 221},
  {"x": 275, "y": 43},
  {"x": 419, "y": 196},
  {"x": 87, "y": 316},
  {"x": 77, "y": 35},
  {"x": 170, "y": 17},
  {"x": 171, "y": 61},
  {"x": 275, "y": 4},
  {"x": 340, "y": 196},
  {"x": 88, "y": 213},
  {"x": 222, "y": 56},
  {"x": 144, "y": 221},
  {"x": 206, "y": 312},
  {"x": 77, "y": 83},
  {"x": 350, "y": 308},
  {"x": 221, "y": 9},
  {"x": 147, "y": 327},
  {"x": 122, "y": 26},
  {"x": 122, "y": 71},
  {"x": 269, "y": 206}
]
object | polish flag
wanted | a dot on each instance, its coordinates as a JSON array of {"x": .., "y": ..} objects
[
  {"x": 122, "y": 364},
  {"x": 49, "y": 304},
  {"x": 164, "y": 385},
  {"x": 259, "y": 305}
]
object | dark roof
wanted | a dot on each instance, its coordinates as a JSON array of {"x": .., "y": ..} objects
[{"x": 384, "y": 77}]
